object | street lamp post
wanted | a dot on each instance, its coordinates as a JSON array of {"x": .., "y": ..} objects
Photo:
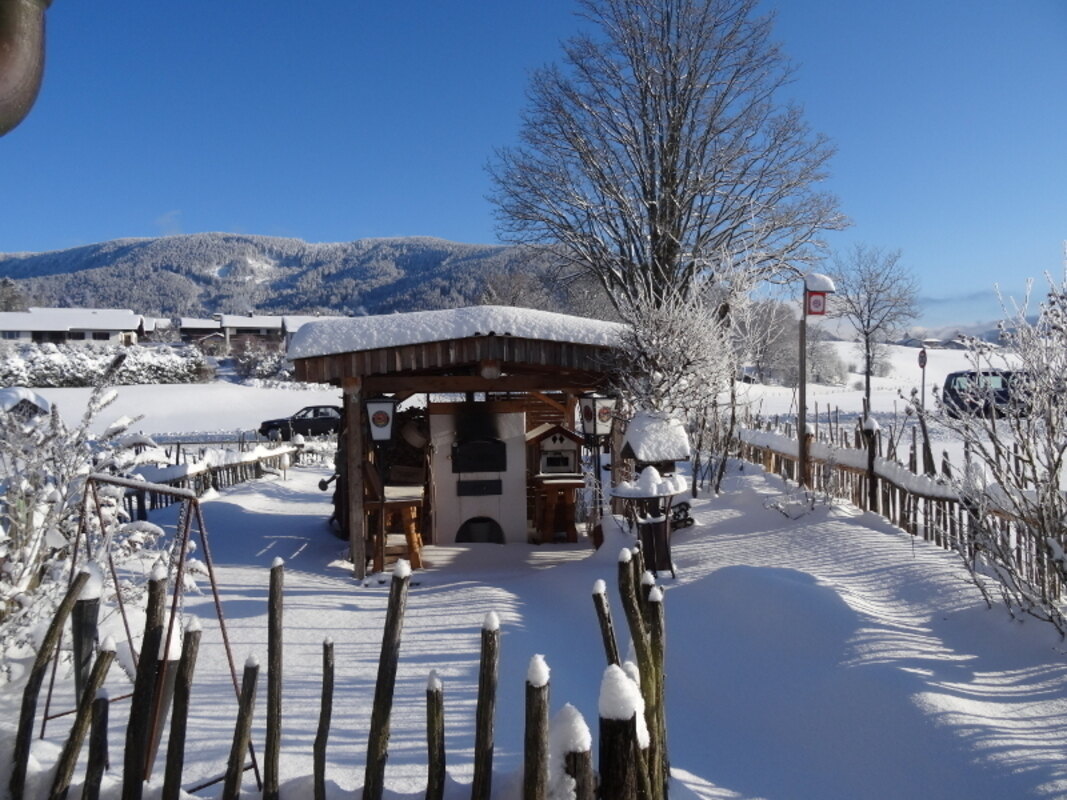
[
  {"x": 598, "y": 413},
  {"x": 816, "y": 287}
]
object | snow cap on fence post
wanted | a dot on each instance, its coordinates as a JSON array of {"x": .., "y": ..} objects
[
  {"x": 491, "y": 622},
  {"x": 537, "y": 675}
]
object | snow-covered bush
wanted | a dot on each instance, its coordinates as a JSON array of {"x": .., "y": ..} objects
[
  {"x": 43, "y": 470},
  {"x": 263, "y": 362},
  {"x": 57, "y": 365}
]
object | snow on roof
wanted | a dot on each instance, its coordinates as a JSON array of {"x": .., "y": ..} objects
[
  {"x": 13, "y": 395},
  {"x": 655, "y": 436},
  {"x": 196, "y": 322},
  {"x": 294, "y": 322},
  {"x": 250, "y": 321},
  {"x": 817, "y": 282},
  {"x": 68, "y": 319},
  {"x": 418, "y": 327}
]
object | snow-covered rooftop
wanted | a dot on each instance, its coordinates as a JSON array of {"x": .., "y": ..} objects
[
  {"x": 394, "y": 330},
  {"x": 68, "y": 319},
  {"x": 250, "y": 321}
]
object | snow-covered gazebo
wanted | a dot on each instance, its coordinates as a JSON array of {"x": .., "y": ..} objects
[{"x": 489, "y": 374}]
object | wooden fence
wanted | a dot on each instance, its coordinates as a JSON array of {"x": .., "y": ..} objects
[
  {"x": 199, "y": 478},
  {"x": 629, "y": 767},
  {"x": 850, "y": 466}
]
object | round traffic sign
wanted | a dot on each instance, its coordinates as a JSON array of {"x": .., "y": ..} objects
[{"x": 922, "y": 358}]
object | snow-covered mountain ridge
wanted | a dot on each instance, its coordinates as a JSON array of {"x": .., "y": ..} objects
[{"x": 204, "y": 273}]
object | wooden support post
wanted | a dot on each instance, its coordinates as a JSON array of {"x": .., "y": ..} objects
[
  {"x": 272, "y": 747},
  {"x": 183, "y": 684},
  {"x": 482, "y": 786},
  {"x": 325, "y": 714},
  {"x": 378, "y": 740},
  {"x": 353, "y": 454}
]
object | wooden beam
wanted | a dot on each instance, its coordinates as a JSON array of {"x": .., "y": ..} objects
[
  {"x": 551, "y": 401},
  {"x": 445, "y": 384}
]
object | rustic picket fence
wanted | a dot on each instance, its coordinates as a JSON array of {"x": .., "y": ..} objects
[
  {"x": 201, "y": 477},
  {"x": 631, "y": 764},
  {"x": 862, "y": 467}
]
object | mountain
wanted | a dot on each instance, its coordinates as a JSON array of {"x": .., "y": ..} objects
[{"x": 205, "y": 273}]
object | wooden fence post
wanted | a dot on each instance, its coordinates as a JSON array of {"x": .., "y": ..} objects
[
  {"x": 242, "y": 732},
  {"x": 83, "y": 624},
  {"x": 435, "y": 738},
  {"x": 535, "y": 739},
  {"x": 72, "y": 748},
  {"x": 32, "y": 690},
  {"x": 325, "y": 713},
  {"x": 272, "y": 746},
  {"x": 378, "y": 741},
  {"x": 570, "y": 736},
  {"x": 607, "y": 628},
  {"x": 97, "y": 763},
  {"x": 141, "y": 704},
  {"x": 481, "y": 788},
  {"x": 618, "y": 707},
  {"x": 183, "y": 682}
]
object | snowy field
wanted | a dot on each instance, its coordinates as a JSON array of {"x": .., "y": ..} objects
[{"x": 827, "y": 657}]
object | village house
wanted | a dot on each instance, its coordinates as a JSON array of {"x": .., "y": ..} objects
[{"x": 72, "y": 325}]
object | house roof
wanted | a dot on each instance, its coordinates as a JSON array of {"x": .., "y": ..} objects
[
  {"x": 238, "y": 321},
  {"x": 546, "y": 429},
  {"x": 199, "y": 324},
  {"x": 70, "y": 319}
]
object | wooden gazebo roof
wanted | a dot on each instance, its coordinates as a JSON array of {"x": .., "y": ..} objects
[{"x": 478, "y": 349}]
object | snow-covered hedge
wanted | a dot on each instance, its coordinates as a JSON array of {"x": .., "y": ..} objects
[{"x": 51, "y": 365}]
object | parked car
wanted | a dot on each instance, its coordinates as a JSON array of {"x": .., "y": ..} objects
[
  {"x": 308, "y": 421},
  {"x": 983, "y": 393}
]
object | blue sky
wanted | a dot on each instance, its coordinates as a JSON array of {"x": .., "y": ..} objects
[{"x": 340, "y": 119}]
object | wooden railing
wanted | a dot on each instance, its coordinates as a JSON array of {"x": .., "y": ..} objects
[
  {"x": 928, "y": 506},
  {"x": 199, "y": 477}
]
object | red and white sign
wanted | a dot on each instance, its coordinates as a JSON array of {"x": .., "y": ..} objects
[{"x": 816, "y": 303}]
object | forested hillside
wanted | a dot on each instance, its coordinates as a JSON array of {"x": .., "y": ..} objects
[{"x": 200, "y": 274}]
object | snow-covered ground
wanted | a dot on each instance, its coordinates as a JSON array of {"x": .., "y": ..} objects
[{"x": 830, "y": 656}]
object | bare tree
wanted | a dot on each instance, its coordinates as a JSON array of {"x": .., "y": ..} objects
[
  {"x": 658, "y": 150},
  {"x": 878, "y": 296}
]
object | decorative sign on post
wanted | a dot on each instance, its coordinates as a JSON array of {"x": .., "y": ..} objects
[
  {"x": 922, "y": 358},
  {"x": 816, "y": 305}
]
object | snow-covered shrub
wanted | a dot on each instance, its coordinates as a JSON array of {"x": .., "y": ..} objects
[
  {"x": 43, "y": 470},
  {"x": 50, "y": 365},
  {"x": 263, "y": 362}
]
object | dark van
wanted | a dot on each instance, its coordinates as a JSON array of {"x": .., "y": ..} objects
[{"x": 984, "y": 393}]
